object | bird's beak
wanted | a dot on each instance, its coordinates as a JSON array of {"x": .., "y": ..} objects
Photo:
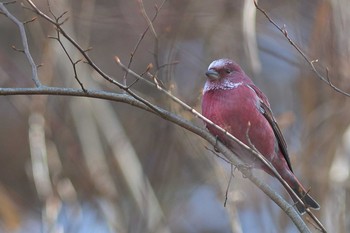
[{"x": 212, "y": 74}]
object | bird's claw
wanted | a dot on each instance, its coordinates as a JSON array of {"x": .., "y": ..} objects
[
  {"x": 216, "y": 144},
  {"x": 245, "y": 167}
]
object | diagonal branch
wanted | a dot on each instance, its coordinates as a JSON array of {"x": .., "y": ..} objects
[
  {"x": 142, "y": 36},
  {"x": 150, "y": 25},
  {"x": 311, "y": 63},
  {"x": 73, "y": 63},
  {"x": 149, "y": 21},
  {"x": 25, "y": 45}
]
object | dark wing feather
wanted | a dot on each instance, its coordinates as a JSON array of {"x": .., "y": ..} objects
[{"x": 266, "y": 111}]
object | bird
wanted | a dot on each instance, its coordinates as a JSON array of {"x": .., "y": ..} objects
[{"x": 232, "y": 101}]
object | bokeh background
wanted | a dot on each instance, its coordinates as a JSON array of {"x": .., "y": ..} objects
[{"x": 71, "y": 164}]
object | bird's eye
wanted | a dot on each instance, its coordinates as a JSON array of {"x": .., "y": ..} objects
[{"x": 227, "y": 71}]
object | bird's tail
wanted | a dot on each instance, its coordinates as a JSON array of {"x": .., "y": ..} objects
[
  {"x": 303, "y": 195},
  {"x": 306, "y": 198}
]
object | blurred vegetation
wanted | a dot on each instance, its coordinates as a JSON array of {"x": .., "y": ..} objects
[{"x": 71, "y": 164}]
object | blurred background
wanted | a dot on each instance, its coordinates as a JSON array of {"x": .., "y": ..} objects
[{"x": 71, "y": 164}]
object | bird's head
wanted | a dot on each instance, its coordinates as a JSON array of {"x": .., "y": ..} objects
[
  {"x": 224, "y": 74},
  {"x": 222, "y": 68}
]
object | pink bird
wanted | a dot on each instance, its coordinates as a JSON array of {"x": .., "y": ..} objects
[{"x": 232, "y": 101}]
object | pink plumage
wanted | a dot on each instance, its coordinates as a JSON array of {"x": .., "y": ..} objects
[{"x": 232, "y": 101}]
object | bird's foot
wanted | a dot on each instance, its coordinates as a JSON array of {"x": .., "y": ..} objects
[
  {"x": 246, "y": 169},
  {"x": 216, "y": 144}
]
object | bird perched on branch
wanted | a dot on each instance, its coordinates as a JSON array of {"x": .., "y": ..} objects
[{"x": 233, "y": 102}]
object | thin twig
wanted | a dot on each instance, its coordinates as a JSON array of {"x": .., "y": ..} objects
[
  {"x": 168, "y": 64},
  {"x": 76, "y": 45},
  {"x": 74, "y": 63},
  {"x": 248, "y": 138},
  {"x": 16, "y": 49},
  {"x": 25, "y": 45},
  {"x": 316, "y": 220},
  {"x": 228, "y": 185},
  {"x": 144, "y": 14},
  {"x": 150, "y": 25},
  {"x": 58, "y": 38},
  {"x": 132, "y": 54},
  {"x": 284, "y": 31},
  {"x": 9, "y": 2},
  {"x": 30, "y": 20},
  {"x": 218, "y": 155}
]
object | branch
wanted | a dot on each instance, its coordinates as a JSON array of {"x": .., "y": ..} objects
[
  {"x": 73, "y": 63},
  {"x": 283, "y": 30},
  {"x": 76, "y": 45},
  {"x": 169, "y": 116},
  {"x": 142, "y": 35},
  {"x": 25, "y": 45},
  {"x": 150, "y": 25},
  {"x": 86, "y": 56}
]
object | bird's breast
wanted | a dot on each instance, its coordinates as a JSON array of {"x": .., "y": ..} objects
[
  {"x": 237, "y": 111},
  {"x": 231, "y": 108}
]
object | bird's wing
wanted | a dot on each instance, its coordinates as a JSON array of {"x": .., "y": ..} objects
[{"x": 267, "y": 112}]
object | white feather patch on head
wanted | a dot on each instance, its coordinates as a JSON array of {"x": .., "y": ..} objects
[
  {"x": 219, "y": 63},
  {"x": 225, "y": 84}
]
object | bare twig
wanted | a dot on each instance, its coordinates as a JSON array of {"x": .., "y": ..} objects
[
  {"x": 58, "y": 38},
  {"x": 284, "y": 31},
  {"x": 9, "y": 2},
  {"x": 316, "y": 220},
  {"x": 76, "y": 45},
  {"x": 168, "y": 64},
  {"x": 17, "y": 49},
  {"x": 228, "y": 185},
  {"x": 150, "y": 25},
  {"x": 25, "y": 45},
  {"x": 218, "y": 155},
  {"x": 74, "y": 63},
  {"x": 248, "y": 138},
  {"x": 30, "y": 20},
  {"x": 144, "y": 14},
  {"x": 140, "y": 39}
]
